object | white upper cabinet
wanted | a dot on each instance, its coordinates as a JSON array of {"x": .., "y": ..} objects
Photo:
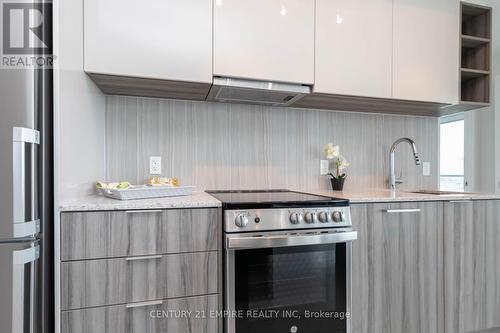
[
  {"x": 354, "y": 47},
  {"x": 264, "y": 40},
  {"x": 158, "y": 39},
  {"x": 426, "y": 50}
]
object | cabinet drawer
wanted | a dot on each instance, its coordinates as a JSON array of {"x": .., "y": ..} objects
[
  {"x": 145, "y": 319},
  {"x": 96, "y": 235},
  {"x": 93, "y": 283}
]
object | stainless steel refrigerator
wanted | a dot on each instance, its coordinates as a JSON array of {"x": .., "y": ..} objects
[{"x": 26, "y": 201}]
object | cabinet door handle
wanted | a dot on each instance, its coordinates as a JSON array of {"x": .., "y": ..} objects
[
  {"x": 143, "y": 304},
  {"x": 397, "y": 211},
  {"x": 143, "y": 258},
  {"x": 143, "y": 211},
  {"x": 460, "y": 201}
]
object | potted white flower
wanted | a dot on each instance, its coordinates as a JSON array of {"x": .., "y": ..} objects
[{"x": 337, "y": 176}]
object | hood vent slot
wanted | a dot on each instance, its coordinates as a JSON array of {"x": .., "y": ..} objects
[
  {"x": 231, "y": 90},
  {"x": 242, "y": 95}
]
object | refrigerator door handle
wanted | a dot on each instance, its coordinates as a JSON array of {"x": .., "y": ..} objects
[
  {"x": 20, "y": 137},
  {"x": 26, "y": 229},
  {"x": 26, "y": 135},
  {"x": 20, "y": 296}
]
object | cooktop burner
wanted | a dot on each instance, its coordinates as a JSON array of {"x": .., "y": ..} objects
[{"x": 247, "y": 199}]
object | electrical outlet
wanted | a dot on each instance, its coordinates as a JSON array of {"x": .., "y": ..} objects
[
  {"x": 323, "y": 167},
  {"x": 155, "y": 165},
  {"x": 426, "y": 166}
]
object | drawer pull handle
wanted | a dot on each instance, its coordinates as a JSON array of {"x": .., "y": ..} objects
[
  {"x": 143, "y": 304},
  {"x": 397, "y": 211},
  {"x": 460, "y": 201},
  {"x": 143, "y": 211},
  {"x": 143, "y": 258}
]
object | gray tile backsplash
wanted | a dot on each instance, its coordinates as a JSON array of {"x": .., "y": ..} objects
[{"x": 231, "y": 146}]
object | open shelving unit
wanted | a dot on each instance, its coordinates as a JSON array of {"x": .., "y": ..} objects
[{"x": 475, "y": 57}]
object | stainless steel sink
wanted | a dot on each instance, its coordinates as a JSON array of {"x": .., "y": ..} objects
[{"x": 438, "y": 192}]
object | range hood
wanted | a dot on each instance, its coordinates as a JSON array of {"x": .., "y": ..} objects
[{"x": 231, "y": 90}]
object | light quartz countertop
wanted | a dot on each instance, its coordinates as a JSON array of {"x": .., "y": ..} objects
[
  {"x": 385, "y": 195},
  {"x": 99, "y": 203},
  {"x": 201, "y": 199}
]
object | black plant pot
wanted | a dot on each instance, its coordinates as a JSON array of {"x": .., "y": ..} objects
[{"x": 337, "y": 183}]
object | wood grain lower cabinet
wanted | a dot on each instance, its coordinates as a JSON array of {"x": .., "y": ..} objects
[
  {"x": 397, "y": 278},
  {"x": 472, "y": 266},
  {"x": 146, "y": 319},
  {"x": 93, "y": 283},
  {"x": 96, "y": 235},
  {"x": 131, "y": 271}
]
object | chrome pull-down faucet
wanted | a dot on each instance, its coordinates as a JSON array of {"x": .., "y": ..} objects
[{"x": 392, "y": 177}]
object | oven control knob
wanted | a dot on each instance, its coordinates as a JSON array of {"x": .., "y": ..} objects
[
  {"x": 241, "y": 220},
  {"x": 337, "y": 216},
  {"x": 323, "y": 217},
  {"x": 310, "y": 217},
  {"x": 296, "y": 218}
]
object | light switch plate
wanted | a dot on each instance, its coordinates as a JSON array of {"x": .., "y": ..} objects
[
  {"x": 426, "y": 166},
  {"x": 155, "y": 165},
  {"x": 324, "y": 167}
]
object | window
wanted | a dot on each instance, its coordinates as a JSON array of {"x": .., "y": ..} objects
[{"x": 452, "y": 147}]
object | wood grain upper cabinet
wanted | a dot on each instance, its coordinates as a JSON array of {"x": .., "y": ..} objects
[
  {"x": 157, "y": 39},
  {"x": 354, "y": 47},
  {"x": 397, "y": 268},
  {"x": 264, "y": 40},
  {"x": 426, "y": 50}
]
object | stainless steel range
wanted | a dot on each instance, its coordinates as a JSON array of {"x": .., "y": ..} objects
[{"x": 287, "y": 262}]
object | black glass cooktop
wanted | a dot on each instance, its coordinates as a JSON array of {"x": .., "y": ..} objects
[{"x": 249, "y": 199}]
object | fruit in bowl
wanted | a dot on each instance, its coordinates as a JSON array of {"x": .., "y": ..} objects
[
  {"x": 163, "y": 181},
  {"x": 112, "y": 186}
]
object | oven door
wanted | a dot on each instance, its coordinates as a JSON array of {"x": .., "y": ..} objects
[{"x": 288, "y": 282}]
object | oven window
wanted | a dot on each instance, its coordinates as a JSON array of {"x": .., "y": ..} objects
[{"x": 291, "y": 289}]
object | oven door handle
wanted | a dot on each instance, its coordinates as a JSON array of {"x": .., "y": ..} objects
[{"x": 262, "y": 242}]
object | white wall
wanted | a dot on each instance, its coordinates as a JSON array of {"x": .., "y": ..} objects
[
  {"x": 497, "y": 125},
  {"x": 496, "y": 88},
  {"x": 480, "y": 150},
  {"x": 79, "y": 108},
  {"x": 483, "y": 126},
  {"x": 78, "y": 120}
]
